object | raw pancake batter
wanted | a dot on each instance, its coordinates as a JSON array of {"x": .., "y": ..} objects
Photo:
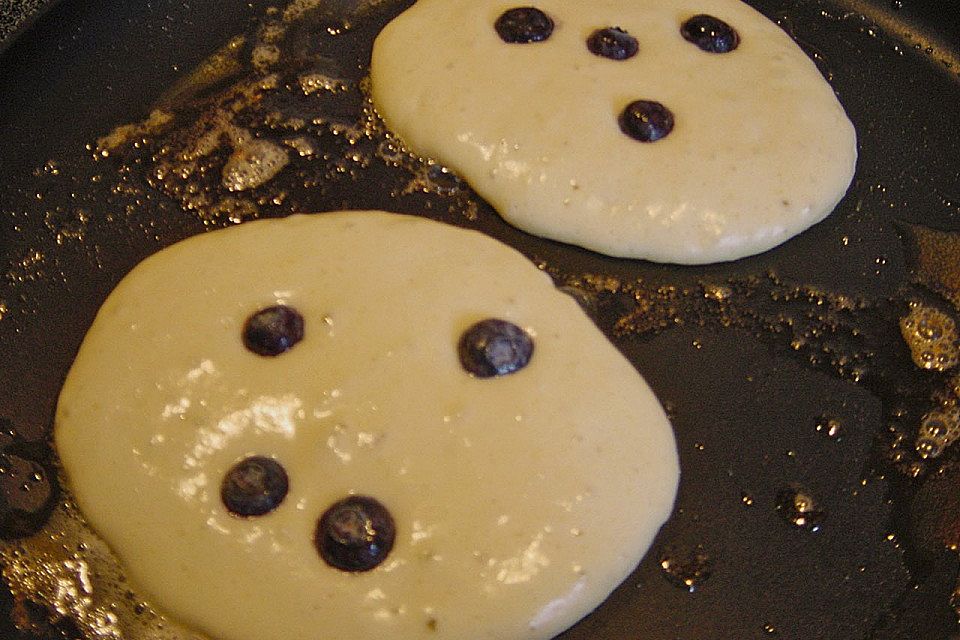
[
  {"x": 239, "y": 389},
  {"x": 756, "y": 147}
]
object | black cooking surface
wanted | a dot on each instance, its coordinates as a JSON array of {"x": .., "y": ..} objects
[{"x": 782, "y": 373}]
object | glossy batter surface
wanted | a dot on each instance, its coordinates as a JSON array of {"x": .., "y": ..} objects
[
  {"x": 520, "y": 501},
  {"x": 761, "y": 148}
]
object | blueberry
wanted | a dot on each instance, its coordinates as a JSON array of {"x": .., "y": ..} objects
[
  {"x": 524, "y": 24},
  {"x": 271, "y": 331},
  {"x": 494, "y": 347},
  {"x": 254, "y": 486},
  {"x": 613, "y": 43},
  {"x": 710, "y": 34},
  {"x": 355, "y": 534},
  {"x": 646, "y": 120}
]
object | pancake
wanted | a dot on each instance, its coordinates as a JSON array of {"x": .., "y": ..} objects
[
  {"x": 333, "y": 358},
  {"x": 760, "y": 148}
]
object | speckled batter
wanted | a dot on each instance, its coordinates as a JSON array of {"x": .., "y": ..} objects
[
  {"x": 520, "y": 501},
  {"x": 761, "y": 148}
]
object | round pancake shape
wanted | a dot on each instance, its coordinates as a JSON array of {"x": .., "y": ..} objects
[
  {"x": 760, "y": 147},
  {"x": 517, "y": 501}
]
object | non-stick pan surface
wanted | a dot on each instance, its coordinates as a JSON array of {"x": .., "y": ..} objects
[{"x": 784, "y": 373}]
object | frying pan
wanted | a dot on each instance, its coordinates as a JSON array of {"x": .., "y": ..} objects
[{"x": 782, "y": 373}]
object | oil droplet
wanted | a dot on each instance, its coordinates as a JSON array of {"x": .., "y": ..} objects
[
  {"x": 955, "y": 601},
  {"x": 391, "y": 152},
  {"x": 769, "y": 629},
  {"x": 51, "y": 167},
  {"x": 717, "y": 292},
  {"x": 670, "y": 408},
  {"x": 26, "y": 496},
  {"x": 798, "y": 508},
  {"x": 27, "y": 269},
  {"x": 829, "y": 427},
  {"x": 302, "y": 145},
  {"x": 67, "y": 224},
  {"x": 938, "y": 430},
  {"x": 312, "y": 82},
  {"x": 443, "y": 181},
  {"x": 433, "y": 178},
  {"x": 687, "y": 569},
  {"x": 932, "y": 338},
  {"x": 746, "y": 499},
  {"x": 230, "y": 209}
]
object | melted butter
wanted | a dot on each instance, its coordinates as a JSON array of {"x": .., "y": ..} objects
[
  {"x": 761, "y": 149},
  {"x": 486, "y": 479},
  {"x": 937, "y": 264},
  {"x": 932, "y": 338},
  {"x": 252, "y": 164}
]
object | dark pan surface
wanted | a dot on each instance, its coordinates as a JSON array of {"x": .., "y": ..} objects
[{"x": 752, "y": 359}]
